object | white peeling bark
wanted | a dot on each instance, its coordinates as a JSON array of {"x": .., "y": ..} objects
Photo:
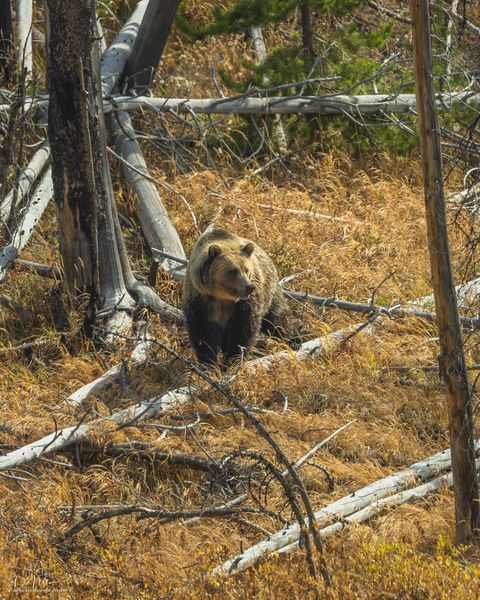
[
  {"x": 23, "y": 42},
  {"x": 26, "y": 180},
  {"x": 70, "y": 435},
  {"x": 156, "y": 225},
  {"x": 23, "y": 231},
  {"x": 326, "y": 105},
  {"x": 340, "y": 509}
]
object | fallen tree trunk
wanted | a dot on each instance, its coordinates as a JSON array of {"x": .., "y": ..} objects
[
  {"x": 326, "y": 105},
  {"x": 25, "y": 181},
  {"x": 156, "y": 225},
  {"x": 340, "y": 509},
  {"x": 369, "y": 512},
  {"x": 71, "y": 435},
  {"x": 148, "y": 44},
  {"x": 246, "y": 104},
  {"x": 138, "y": 356},
  {"x": 467, "y": 295},
  {"x": 23, "y": 231},
  {"x": 469, "y": 198}
]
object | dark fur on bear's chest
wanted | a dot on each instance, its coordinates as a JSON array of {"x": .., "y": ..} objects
[{"x": 221, "y": 325}]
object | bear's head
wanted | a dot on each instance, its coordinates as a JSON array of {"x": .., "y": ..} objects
[{"x": 228, "y": 271}]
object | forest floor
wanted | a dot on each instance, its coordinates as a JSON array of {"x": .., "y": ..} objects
[
  {"x": 377, "y": 237},
  {"x": 368, "y": 242}
]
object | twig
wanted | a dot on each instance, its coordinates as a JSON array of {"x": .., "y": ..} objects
[
  {"x": 164, "y": 516},
  {"x": 43, "y": 270},
  {"x": 15, "y": 306},
  {"x": 425, "y": 368}
]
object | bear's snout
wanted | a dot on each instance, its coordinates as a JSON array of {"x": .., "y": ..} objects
[{"x": 247, "y": 291}]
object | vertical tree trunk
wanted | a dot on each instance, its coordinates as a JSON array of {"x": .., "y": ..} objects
[
  {"x": 23, "y": 41},
  {"x": 70, "y": 121},
  {"x": 452, "y": 360},
  {"x": 278, "y": 131},
  {"x": 306, "y": 22},
  {"x": 149, "y": 44},
  {"x": 5, "y": 40}
]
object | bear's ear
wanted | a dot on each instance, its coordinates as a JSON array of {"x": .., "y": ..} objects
[
  {"x": 214, "y": 251},
  {"x": 248, "y": 249}
]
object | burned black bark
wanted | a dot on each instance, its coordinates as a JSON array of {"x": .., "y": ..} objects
[
  {"x": 71, "y": 121},
  {"x": 5, "y": 41},
  {"x": 149, "y": 44}
]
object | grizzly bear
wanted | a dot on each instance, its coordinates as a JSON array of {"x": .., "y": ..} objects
[{"x": 230, "y": 294}]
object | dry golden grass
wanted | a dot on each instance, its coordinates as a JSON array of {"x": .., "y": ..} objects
[
  {"x": 398, "y": 418},
  {"x": 377, "y": 238}
]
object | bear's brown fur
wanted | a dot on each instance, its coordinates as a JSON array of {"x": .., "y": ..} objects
[{"x": 230, "y": 293}]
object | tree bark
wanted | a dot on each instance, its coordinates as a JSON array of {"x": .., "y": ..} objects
[
  {"x": 306, "y": 22},
  {"x": 452, "y": 359},
  {"x": 5, "y": 40},
  {"x": 148, "y": 47},
  {"x": 23, "y": 42},
  {"x": 323, "y": 105},
  {"x": 247, "y": 104},
  {"x": 70, "y": 124}
]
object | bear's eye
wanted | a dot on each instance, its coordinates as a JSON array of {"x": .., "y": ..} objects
[{"x": 234, "y": 272}]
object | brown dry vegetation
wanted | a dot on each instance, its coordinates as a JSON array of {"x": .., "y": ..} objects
[{"x": 406, "y": 553}]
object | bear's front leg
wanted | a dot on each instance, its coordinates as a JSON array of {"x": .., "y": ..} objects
[
  {"x": 205, "y": 336},
  {"x": 242, "y": 332}
]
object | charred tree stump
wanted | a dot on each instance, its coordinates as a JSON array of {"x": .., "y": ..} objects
[
  {"x": 452, "y": 359},
  {"x": 70, "y": 124}
]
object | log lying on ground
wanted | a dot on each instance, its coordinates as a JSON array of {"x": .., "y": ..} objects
[
  {"x": 71, "y": 435},
  {"x": 23, "y": 231},
  {"x": 48, "y": 271},
  {"x": 248, "y": 105},
  {"x": 325, "y": 105},
  {"x": 340, "y": 509},
  {"x": 147, "y": 31},
  {"x": 138, "y": 356},
  {"x": 25, "y": 181},
  {"x": 467, "y": 293},
  {"x": 372, "y": 510},
  {"x": 468, "y": 198}
]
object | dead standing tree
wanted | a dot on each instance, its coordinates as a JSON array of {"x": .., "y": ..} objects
[
  {"x": 452, "y": 359},
  {"x": 92, "y": 245},
  {"x": 73, "y": 131},
  {"x": 5, "y": 40}
]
